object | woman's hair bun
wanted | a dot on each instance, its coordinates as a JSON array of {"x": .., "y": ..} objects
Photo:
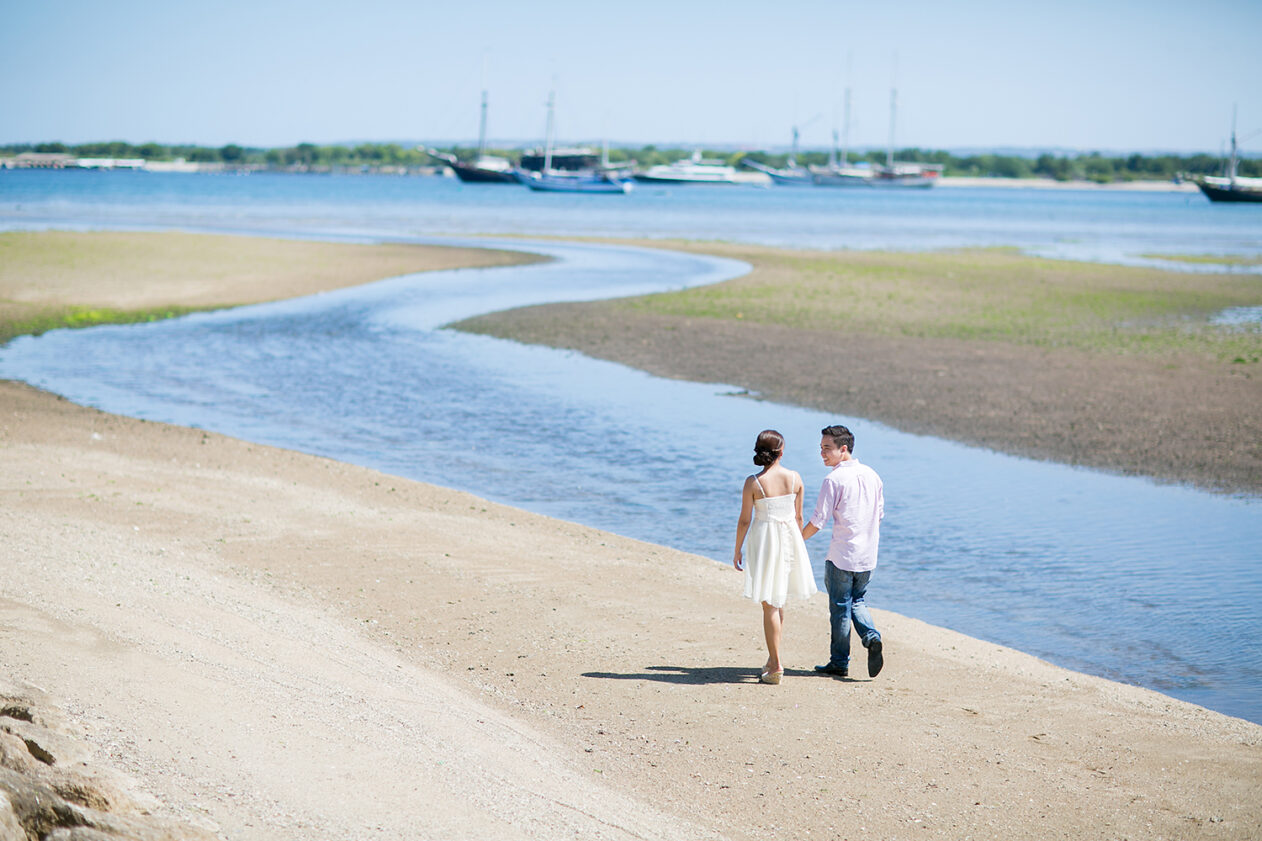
[{"x": 768, "y": 447}]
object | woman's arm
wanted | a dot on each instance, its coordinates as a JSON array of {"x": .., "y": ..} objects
[
  {"x": 742, "y": 524},
  {"x": 797, "y": 502}
]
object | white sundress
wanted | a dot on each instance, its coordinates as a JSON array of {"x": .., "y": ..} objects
[{"x": 777, "y": 565}]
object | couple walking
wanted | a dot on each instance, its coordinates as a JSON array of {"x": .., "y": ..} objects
[{"x": 778, "y": 566}]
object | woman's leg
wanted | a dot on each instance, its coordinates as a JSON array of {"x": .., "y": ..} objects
[{"x": 772, "y": 625}]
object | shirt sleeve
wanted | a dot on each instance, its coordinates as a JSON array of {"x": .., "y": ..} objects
[
  {"x": 880, "y": 502},
  {"x": 825, "y": 504}
]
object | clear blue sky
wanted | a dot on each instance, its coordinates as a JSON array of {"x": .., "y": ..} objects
[{"x": 1109, "y": 75}]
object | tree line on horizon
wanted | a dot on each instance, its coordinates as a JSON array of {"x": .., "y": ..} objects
[{"x": 1088, "y": 166}]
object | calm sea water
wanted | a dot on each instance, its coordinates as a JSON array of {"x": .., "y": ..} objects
[{"x": 1149, "y": 584}]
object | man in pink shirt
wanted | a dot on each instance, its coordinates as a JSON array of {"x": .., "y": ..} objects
[{"x": 853, "y": 497}]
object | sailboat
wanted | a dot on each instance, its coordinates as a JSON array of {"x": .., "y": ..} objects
[
  {"x": 900, "y": 174},
  {"x": 1231, "y": 187},
  {"x": 484, "y": 169},
  {"x": 550, "y": 180},
  {"x": 840, "y": 173},
  {"x": 791, "y": 175}
]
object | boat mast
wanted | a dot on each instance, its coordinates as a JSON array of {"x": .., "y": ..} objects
[
  {"x": 845, "y": 137},
  {"x": 482, "y": 128},
  {"x": 845, "y": 122},
  {"x": 889, "y": 152},
  {"x": 1231, "y": 169},
  {"x": 547, "y": 149},
  {"x": 482, "y": 121}
]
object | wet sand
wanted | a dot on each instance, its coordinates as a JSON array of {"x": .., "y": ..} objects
[{"x": 274, "y": 645}]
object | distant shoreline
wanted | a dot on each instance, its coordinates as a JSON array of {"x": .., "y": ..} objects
[
  {"x": 756, "y": 179},
  {"x": 952, "y": 182}
]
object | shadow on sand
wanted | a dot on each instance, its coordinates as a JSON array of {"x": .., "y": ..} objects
[{"x": 697, "y": 676}]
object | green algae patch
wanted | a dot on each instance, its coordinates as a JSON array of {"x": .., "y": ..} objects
[
  {"x": 988, "y": 295},
  {"x": 1241, "y": 260},
  {"x": 43, "y": 320}
]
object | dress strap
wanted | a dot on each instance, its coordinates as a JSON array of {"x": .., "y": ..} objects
[{"x": 759, "y": 484}]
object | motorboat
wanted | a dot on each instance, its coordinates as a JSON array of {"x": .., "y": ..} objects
[{"x": 691, "y": 170}]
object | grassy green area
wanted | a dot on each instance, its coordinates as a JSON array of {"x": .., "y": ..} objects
[
  {"x": 40, "y": 320},
  {"x": 985, "y": 295},
  {"x": 1208, "y": 259}
]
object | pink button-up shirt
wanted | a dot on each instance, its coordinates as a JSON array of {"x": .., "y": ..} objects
[{"x": 853, "y": 497}]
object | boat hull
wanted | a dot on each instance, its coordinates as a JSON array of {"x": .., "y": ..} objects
[
  {"x": 477, "y": 175},
  {"x": 573, "y": 183},
  {"x": 647, "y": 178},
  {"x": 1230, "y": 194}
]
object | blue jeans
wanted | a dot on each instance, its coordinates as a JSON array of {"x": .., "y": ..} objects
[{"x": 845, "y": 604}]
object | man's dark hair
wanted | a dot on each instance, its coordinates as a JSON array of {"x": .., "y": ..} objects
[{"x": 841, "y": 436}]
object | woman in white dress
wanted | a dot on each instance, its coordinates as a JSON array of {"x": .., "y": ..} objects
[{"x": 778, "y": 566}]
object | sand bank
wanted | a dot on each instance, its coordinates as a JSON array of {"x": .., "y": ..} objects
[
  {"x": 275, "y": 645},
  {"x": 937, "y": 344}
]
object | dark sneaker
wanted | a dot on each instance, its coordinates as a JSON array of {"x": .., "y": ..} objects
[
  {"x": 875, "y": 660},
  {"x": 830, "y": 669}
]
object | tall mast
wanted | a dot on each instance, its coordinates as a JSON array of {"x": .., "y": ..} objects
[
  {"x": 889, "y": 153},
  {"x": 482, "y": 121},
  {"x": 845, "y": 122},
  {"x": 547, "y": 150},
  {"x": 482, "y": 127},
  {"x": 845, "y": 137},
  {"x": 1231, "y": 170}
]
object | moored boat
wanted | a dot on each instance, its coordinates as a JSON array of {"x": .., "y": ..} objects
[
  {"x": 1231, "y": 187},
  {"x": 1238, "y": 189},
  {"x": 552, "y": 179},
  {"x": 790, "y": 176},
  {"x": 915, "y": 175},
  {"x": 484, "y": 169},
  {"x": 561, "y": 181},
  {"x": 692, "y": 170}
]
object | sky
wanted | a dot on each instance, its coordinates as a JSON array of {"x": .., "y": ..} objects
[{"x": 1111, "y": 75}]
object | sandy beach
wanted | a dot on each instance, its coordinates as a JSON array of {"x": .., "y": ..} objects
[{"x": 203, "y": 637}]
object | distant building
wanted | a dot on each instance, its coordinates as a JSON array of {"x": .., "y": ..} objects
[
  {"x": 40, "y": 160},
  {"x": 111, "y": 163},
  {"x": 64, "y": 160}
]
